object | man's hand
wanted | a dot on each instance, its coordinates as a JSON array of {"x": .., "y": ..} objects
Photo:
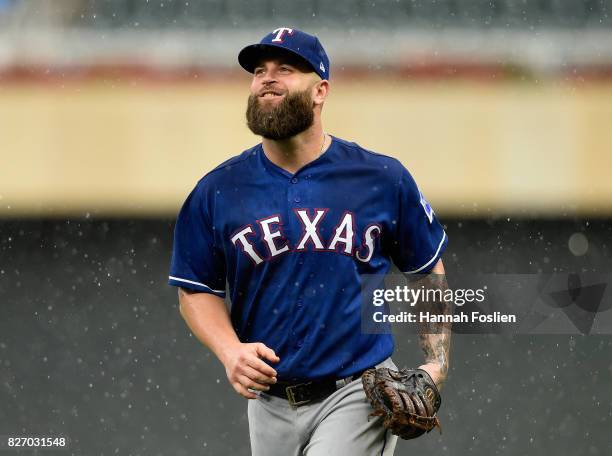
[
  {"x": 245, "y": 369},
  {"x": 436, "y": 372},
  {"x": 209, "y": 320}
]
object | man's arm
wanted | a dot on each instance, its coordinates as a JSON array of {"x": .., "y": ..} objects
[
  {"x": 434, "y": 338},
  {"x": 208, "y": 319}
]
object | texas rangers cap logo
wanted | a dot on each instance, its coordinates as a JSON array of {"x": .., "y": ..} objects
[{"x": 280, "y": 32}]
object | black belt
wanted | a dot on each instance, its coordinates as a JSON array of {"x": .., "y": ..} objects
[{"x": 302, "y": 393}]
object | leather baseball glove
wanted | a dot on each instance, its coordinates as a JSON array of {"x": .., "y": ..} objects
[{"x": 407, "y": 400}]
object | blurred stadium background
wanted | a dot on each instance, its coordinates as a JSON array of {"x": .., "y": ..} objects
[{"x": 111, "y": 110}]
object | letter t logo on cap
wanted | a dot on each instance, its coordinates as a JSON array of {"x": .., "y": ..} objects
[{"x": 279, "y": 34}]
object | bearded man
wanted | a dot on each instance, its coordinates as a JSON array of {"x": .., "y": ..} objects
[{"x": 291, "y": 225}]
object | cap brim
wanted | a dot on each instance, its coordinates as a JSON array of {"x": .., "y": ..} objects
[{"x": 249, "y": 56}]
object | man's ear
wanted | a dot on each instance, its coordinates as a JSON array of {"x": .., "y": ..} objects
[{"x": 320, "y": 91}]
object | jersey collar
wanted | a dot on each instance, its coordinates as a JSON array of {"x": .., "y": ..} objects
[{"x": 273, "y": 168}]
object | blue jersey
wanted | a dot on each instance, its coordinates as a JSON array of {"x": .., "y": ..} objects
[{"x": 292, "y": 249}]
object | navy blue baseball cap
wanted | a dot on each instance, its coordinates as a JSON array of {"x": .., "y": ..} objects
[{"x": 299, "y": 43}]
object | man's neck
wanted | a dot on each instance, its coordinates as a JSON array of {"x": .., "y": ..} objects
[{"x": 293, "y": 153}]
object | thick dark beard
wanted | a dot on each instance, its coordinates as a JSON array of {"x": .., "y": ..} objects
[{"x": 291, "y": 116}]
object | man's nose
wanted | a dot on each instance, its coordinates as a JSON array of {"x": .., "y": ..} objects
[{"x": 268, "y": 77}]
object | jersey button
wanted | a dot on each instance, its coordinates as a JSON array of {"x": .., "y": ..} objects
[
  {"x": 294, "y": 180},
  {"x": 299, "y": 343},
  {"x": 297, "y": 199}
]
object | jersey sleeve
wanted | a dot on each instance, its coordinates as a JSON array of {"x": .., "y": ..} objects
[
  {"x": 419, "y": 238},
  {"x": 196, "y": 262}
]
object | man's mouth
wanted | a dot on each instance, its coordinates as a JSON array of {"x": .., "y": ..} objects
[{"x": 271, "y": 95}]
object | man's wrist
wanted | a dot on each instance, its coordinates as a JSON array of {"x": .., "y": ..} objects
[
  {"x": 436, "y": 371},
  {"x": 225, "y": 351}
]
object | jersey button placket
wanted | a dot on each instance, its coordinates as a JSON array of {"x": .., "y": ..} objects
[
  {"x": 293, "y": 201},
  {"x": 293, "y": 191}
]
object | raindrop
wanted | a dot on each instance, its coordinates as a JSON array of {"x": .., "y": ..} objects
[{"x": 578, "y": 244}]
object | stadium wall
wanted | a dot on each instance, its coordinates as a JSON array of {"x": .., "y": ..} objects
[{"x": 117, "y": 147}]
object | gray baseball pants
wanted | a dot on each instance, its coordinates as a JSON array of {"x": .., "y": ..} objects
[{"x": 337, "y": 425}]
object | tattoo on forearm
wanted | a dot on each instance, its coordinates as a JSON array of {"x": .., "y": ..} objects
[{"x": 434, "y": 337}]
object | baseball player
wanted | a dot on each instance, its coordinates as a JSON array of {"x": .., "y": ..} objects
[{"x": 291, "y": 225}]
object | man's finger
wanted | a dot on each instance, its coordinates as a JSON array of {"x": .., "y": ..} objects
[
  {"x": 262, "y": 367},
  {"x": 248, "y": 383},
  {"x": 258, "y": 376},
  {"x": 267, "y": 353},
  {"x": 243, "y": 391}
]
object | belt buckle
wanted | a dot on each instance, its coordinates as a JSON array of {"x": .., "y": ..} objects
[{"x": 291, "y": 394}]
